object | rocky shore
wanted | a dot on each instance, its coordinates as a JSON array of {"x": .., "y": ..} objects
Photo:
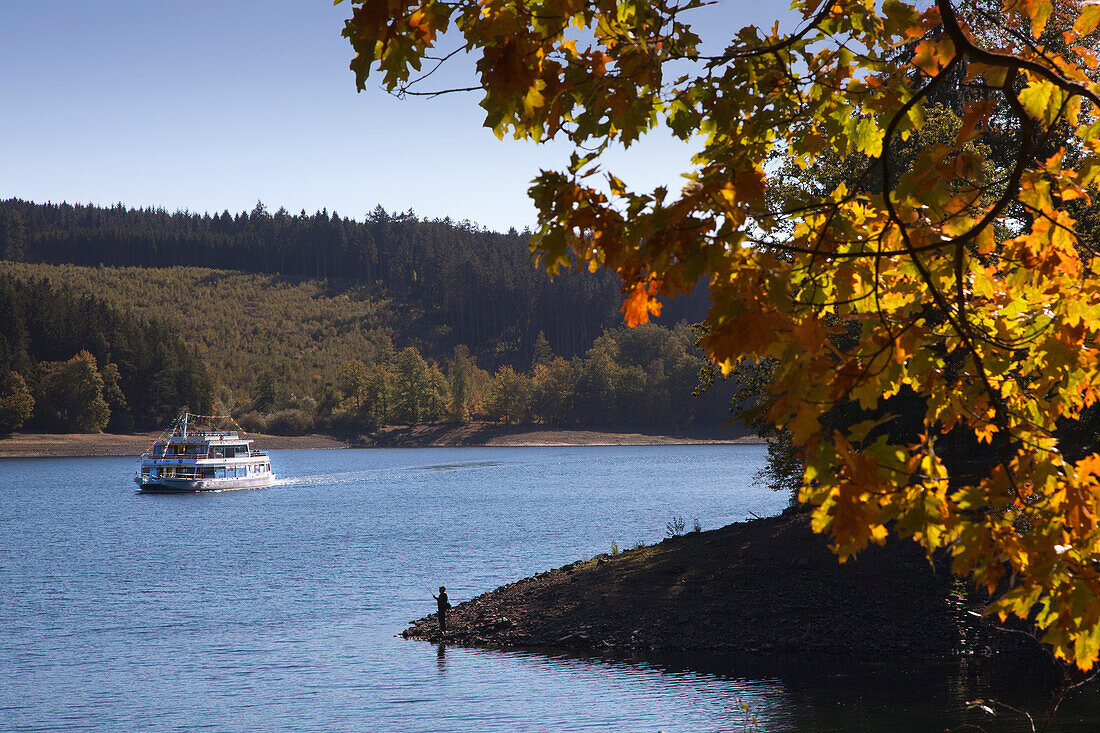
[{"x": 768, "y": 587}]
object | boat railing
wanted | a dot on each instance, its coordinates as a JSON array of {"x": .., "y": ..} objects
[
  {"x": 177, "y": 459},
  {"x": 223, "y": 434}
]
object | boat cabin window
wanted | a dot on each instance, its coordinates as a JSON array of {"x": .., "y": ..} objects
[{"x": 228, "y": 451}]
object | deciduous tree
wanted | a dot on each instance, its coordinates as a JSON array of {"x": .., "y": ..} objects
[
  {"x": 510, "y": 400},
  {"x": 16, "y": 403},
  {"x": 960, "y": 277},
  {"x": 420, "y": 389},
  {"x": 70, "y": 397}
]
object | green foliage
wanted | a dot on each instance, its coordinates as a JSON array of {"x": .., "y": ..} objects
[
  {"x": 353, "y": 381},
  {"x": 607, "y": 388},
  {"x": 253, "y": 422},
  {"x": 324, "y": 350},
  {"x": 121, "y": 419},
  {"x": 290, "y": 422},
  {"x": 541, "y": 353},
  {"x": 511, "y": 396},
  {"x": 436, "y": 283},
  {"x": 13, "y": 235},
  {"x": 419, "y": 389},
  {"x": 267, "y": 393},
  {"x": 16, "y": 402},
  {"x": 69, "y": 398},
  {"x": 469, "y": 386},
  {"x": 242, "y": 326},
  {"x": 784, "y": 468},
  {"x": 379, "y": 394},
  {"x": 553, "y": 392},
  {"x": 147, "y": 373}
]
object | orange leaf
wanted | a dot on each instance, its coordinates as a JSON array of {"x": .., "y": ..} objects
[
  {"x": 931, "y": 56},
  {"x": 640, "y": 304},
  {"x": 974, "y": 114}
]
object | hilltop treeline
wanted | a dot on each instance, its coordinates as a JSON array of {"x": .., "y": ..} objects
[
  {"x": 461, "y": 284},
  {"x": 70, "y": 362}
]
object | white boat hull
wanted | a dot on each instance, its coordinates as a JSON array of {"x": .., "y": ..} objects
[{"x": 168, "y": 485}]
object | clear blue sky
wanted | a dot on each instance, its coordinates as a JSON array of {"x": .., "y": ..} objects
[{"x": 206, "y": 106}]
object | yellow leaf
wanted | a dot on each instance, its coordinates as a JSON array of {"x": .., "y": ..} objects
[{"x": 1088, "y": 20}]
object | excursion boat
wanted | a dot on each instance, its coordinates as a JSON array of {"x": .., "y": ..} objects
[{"x": 186, "y": 458}]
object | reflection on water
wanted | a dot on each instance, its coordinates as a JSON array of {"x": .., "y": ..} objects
[{"x": 278, "y": 609}]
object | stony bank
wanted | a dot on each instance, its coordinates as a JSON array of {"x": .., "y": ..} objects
[{"x": 768, "y": 586}]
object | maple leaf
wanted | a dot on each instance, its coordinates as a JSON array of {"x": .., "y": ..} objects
[{"x": 641, "y": 303}]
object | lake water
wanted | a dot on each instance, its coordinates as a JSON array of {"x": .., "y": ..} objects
[{"x": 277, "y": 609}]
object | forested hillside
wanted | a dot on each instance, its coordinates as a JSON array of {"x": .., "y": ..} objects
[
  {"x": 71, "y": 362},
  {"x": 454, "y": 283},
  {"x": 293, "y": 357},
  {"x": 244, "y": 325},
  {"x": 323, "y": 323}
]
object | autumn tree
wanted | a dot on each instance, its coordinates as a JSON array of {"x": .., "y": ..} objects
[
  {"x": 960, "y": 278},
  {"x": 553, "y": 386},
  {"x": 70, "y": 396},
  {"x": 468, "y": 384},
  {"x": 16, "y": 402}
]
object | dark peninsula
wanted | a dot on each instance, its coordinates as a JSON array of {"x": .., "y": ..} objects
[{"x": 768, "y": 587}]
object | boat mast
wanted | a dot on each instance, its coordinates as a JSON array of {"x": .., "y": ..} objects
[{"x": 184, "y": 434}]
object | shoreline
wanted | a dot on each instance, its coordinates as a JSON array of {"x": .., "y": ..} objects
[
  {"x": 488, "y": 434},
  {"x": 91, "y": 445},
  {"x": 87, "y": 445},
  {"x": 766, "y": 589}
]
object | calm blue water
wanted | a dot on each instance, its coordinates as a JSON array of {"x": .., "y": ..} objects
[{"x": 277, "y": 609}]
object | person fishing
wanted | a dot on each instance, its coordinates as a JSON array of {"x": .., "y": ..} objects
[{"x": 443, "y": 603}]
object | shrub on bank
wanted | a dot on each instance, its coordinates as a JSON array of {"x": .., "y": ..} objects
[
  {"x": 290, "y": 422},
  {"x": 253, "y": 422}
]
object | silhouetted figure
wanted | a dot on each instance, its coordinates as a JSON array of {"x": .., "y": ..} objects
[{"x": 443, "y": 603}]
